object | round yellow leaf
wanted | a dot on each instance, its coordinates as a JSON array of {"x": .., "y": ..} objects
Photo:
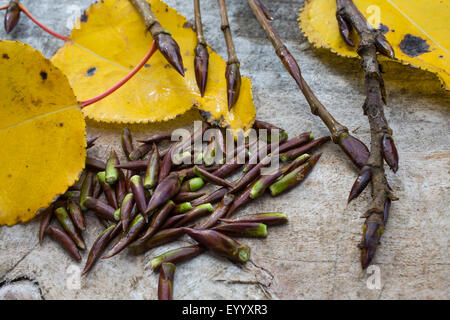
[
  {"x": 112, "y": 40},
  {"x": 417, "y": 30},
  {"x": 42, "y": 133}
]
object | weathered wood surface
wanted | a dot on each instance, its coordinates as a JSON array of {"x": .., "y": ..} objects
[{"x": 315, "y": 256}]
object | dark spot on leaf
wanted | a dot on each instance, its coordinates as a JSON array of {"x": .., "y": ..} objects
[
  {"x": 185, "y": 69},
  {"x": 147, "y": 65},
  {"x": 187, "y": 24},
  {"x": 5, "y": 56},
  {"x": 167, "y": 66},
  {"x": 84, "y": 17},
  {"x": 384, "y": 29},
  {"x": 28, "y": 209},
  {"x": 9, "y": 175},
  {"x": 413, "y": 46},
  {"x": 61, "y": 124},
  {"x": 43, "y": 75},
  {"x": 167, "y": 9},
  {"x": 441, "y": 56},
  {"x": 91, "y": 71}
]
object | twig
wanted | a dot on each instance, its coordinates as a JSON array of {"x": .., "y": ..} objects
[
  {"x": 232, "y": 72},
  {"x": 201, "y": 60},
  {"x": 381, "y": 144},
  {"x": 164, "y": 41},
  {"x": 355, "y": 149}
]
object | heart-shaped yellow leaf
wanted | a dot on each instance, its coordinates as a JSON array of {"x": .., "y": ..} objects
[
  {"x": 42, "y": 133},
  {"x": 417, "y": 30},
  {"x": 112, "y": 40}
]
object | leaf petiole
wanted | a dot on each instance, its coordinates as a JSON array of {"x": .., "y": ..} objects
[
  {"x": 57, "y": 35},
  {"x": 152, "y": 50}
]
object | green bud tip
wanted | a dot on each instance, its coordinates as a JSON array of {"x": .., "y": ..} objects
[
  {"x": 135, "y": 179},
  {"x": 61, "y": 210},
  {"x": 302, "y": 157},
  {"x": 311, "y": 136},
  {"x": 244, "y": 254},
  {"x": 284, "y": 157},
  {"x": 256, "y": 189},
  {"x": 185, "y": 206},
  {"x": 196, "y": 183},
  {"x": 208, "y": 206},
  {"x": 259, "y": 231},
  {"x": 127, "y": 197},
  {"x": 117, "y": 215},
  {"x": 102, "y": 176}
]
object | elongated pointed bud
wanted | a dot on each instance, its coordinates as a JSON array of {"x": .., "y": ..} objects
[
  {"x": 293, "y": 178},
  {"x": 160, "y": 238},
  {"x": 390, "y": 152},
  {"x": 95, "y": 164},
  {"x": 127, "y": 237},
  {"x": 121, "y": 186},
  {"x": 243, "y": 229},
  {"x": 97, "y": 248},
  {"x": 372, "y": 232},
  {"x": 187, "y": 196},
  {"x": 345, "y": 30},
  {"x": 87, "y": 189},
  {"x": 221, "y": 244},
  {"x": 213, "y": 197},
  {"x": 156, "y": 138},
  {"x": 384, "y": 47},
  {"x": 140, "y": 152},
  {"x": 138, "y": 165},
  {"x": 111, "y": 172},
  {"x": 76, "y": 215},
  {"x": 165, "y": 190},
  {"x": 258, "y": 124},
  {"x": 265, "y": 181},
  {"x": 294, "y": 153},
  {"x": 127, "y": 142},
  {"x": 268, "y": 218},
  {"x": 205, "y": 175},
  {"x": 104, "y": 210},
  {"x": 201, "y": 62},
  {"x": 166, "y": 164},
  {"x": 165, "y": 284},
  {"x": 139, "y": 193},
  {"x": 240, "y": 200},
  {"x": 354, "y": 149},
  {"x": 152, "y": 173},
  {"x": 193, "y": 214},
  {"x": 156, "y": 223},
  {"x": 125, "y": 210},
  {"x": 176, "y": 255},
  {"x": 67, "y": 224},
  {"x": 233, "y": 78},
  {"x": 170, "y": 50},
  {"x": 107, "y": 190},
  {"x": 12, "y": 16},
  {"x": 360, "y": 184},
  {"x": 219, "y": 212},
  {"x": 46, "y": 217},
  {"x": 65, "y": 241}
]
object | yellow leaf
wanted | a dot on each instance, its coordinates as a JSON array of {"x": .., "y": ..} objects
[
  {"x": 114, "y": 39},
  {"x": 417, "y": 30},
  {"x": 42, "y": 133}
]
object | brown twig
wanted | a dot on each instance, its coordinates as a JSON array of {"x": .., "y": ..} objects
[
  {"x": 232, "y": 72},
  {"x": 371, "y": 41},
  {"x": 354, "y": 148},
  {"x": 164, "y": 41}
]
